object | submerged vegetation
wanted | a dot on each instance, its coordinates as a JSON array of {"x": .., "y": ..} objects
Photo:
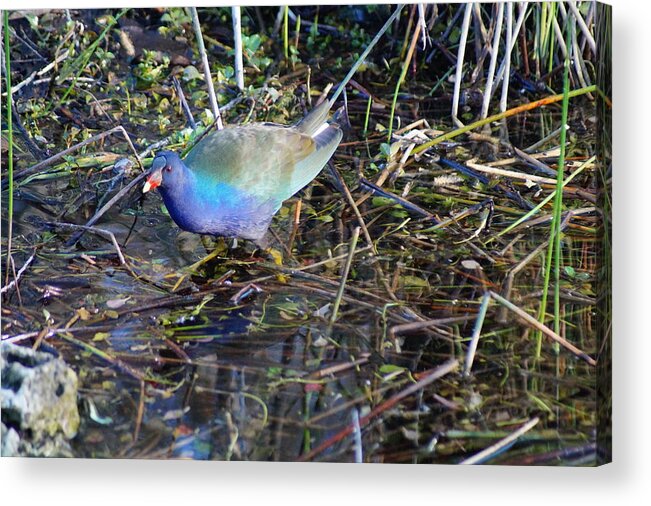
[{"x": 439, "y": 294}]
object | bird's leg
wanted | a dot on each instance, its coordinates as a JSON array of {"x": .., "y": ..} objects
[
  {"x": 263, "y": 242},
  {"x": 264, "y": 246},
  {"x": 208, "y": 242},
  {"x": 216, "y": 251}
]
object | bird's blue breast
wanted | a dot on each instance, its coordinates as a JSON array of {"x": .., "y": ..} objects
[{"x": 219, "y": 209}]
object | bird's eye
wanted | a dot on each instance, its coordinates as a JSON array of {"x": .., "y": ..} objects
[{"x": 168, "y": 168}]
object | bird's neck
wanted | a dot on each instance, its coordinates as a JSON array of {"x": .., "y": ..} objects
[{"x": 179, "y": 196}]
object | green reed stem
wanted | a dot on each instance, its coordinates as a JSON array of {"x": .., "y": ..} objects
[
  {"x": 286, "y": 32},
  {"x": 368, "y": 115},
  {"x": 554, "y": 249},
  {"x": 297, "y": 33},
  {"x": 363, "y": 56},
  {"x": 10, "y": 142},
  {"x": 403, "y": 73}
]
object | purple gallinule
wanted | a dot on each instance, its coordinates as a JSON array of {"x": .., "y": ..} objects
[{"x": 234, "y": 180}]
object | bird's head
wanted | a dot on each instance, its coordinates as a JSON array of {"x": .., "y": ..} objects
[{"x": 166, "y": 171}]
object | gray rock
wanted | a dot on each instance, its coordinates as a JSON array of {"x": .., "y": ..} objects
[{"x": 39, "y": 403}]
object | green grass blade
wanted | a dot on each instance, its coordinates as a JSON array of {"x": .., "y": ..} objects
[
  {"x": 554, "y": 249},
  {"x": 10, "y": 142}
]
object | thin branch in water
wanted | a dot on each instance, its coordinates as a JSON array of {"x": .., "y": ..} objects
[
  {"x": 424, "y": 36},
  {"x": 403, "y": 74},
  {"x": 512, "y": 195},
  {"x": 104, "y": 233},
  {"x": 509, "y": 173},
  {"x": 584, "y": 27},
  {"x": 49, "y": 332},
  {"x": 428, "y": 379},
  {"x": 493, "y": 63},
  {"x": 9, "y": 286},
  {"x": 184, "y": 103},
  {"x": 296, "y": 221},
  {"x": 337, "y": 368},
  {"x": 514, "y": 38},
  {"x": 39, "y": 73},
  {"x": 141, "y": 411},
  {"x": 410, "y": 206},
  {"x": 507, "y": 285},
  {"x": 237, "y": 36},
  {"x": 536, "y": 145},
  {"x": 344, "y": 276},
  {"x": 73, "y": 240},
  {"x": 116, "y": 362},
  {"x": 510, "y": 44},
  {"x": 404, "y": 328},
  {"x": 534, "y": 163},
  {"x": 458, "y": 216},
  {"x": 476, "y": 332},
  {"x": 352, "y": 204},
  {"x": 47, "y": 162},
  {"x": 460, "y": 57},
  {"x": 544, "y": 329},
  {"x": 480, "y": 38},
  {"x": 295, "y": 270},
  {"x": 547, "y": 199},
  {"x": 485, "y": 454},
  {"x": 206, "y": 68},
  {"x": 357, "y": 437},
  {"x": 559, "y": 37}
]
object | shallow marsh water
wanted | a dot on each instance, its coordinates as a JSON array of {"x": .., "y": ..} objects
[{"x": 241, "y": 361}]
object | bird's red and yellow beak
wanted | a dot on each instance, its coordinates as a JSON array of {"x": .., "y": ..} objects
[{"x": 153, "y": 181}]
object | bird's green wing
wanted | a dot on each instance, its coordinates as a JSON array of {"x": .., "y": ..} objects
[{"x": 269, "y": 161}]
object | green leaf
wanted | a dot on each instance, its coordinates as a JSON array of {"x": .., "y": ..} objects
[
  {"x": 389, "y": 368},
  {"x": 381, "y": 201},
  {"x": 569, "y": 270},
  {"x": 414, "y": 281},
  {"x": 32, "y": 19},
  {"x": 190, "y": 73}
]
